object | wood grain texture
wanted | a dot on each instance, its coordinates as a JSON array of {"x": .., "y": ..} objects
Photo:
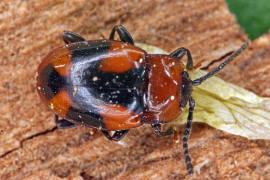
[{"x": 30, "y": 145}]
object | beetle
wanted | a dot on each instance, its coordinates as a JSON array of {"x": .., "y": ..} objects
[{"x": 113, "y": 85}]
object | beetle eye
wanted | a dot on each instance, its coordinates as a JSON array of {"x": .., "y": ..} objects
[{"x": 185, "y": 75}]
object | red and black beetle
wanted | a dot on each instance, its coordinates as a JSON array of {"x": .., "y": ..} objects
[{"x": 114, "y": 86}]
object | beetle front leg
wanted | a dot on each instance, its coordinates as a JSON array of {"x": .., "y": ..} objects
[
  {"x": 63, "y": 124},
  {"x": 123, "y": 34},
  {"x": 71, "y": 37},
  {"x": 180, "y": 52},
  {"x": 186, "y": 135},
  {"x": 117, "y": 136},
  {"x": 157, "y": 130}
]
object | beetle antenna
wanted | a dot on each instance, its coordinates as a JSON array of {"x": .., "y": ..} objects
[{"x": 198, "y": 81}]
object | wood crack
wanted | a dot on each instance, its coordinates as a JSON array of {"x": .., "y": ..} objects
[{"x": 28, "y": 138}]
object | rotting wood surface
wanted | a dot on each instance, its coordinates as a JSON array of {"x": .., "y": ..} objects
[{"x": 30, "y": 145}]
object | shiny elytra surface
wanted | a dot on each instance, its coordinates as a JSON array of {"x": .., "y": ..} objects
[{"x": 95, "y": 83}]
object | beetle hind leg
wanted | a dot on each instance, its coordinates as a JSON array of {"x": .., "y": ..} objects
[
  {"x": 123, "y": 34},
  {"x": 63, "y": 124},
  {"x": 71, "y": 37},
  {"x": 117, "y": 136},
  {"x": 157, "y": 130}
]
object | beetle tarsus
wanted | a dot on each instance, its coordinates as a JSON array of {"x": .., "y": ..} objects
[
  {"x": 117, "y": 136},
  {"x": 63, "y": 124},
  {"x": 157, "y": 130},
  {"x": 123, "y": 34},
  {"x": 71, "y": 37}
]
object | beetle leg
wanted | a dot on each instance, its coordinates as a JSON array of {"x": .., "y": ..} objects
[
  {"x": 123, "y": 34},
  {"x": 180, "y": 52},
  {"x": 71, "y": 37},
  {"x": 63, "y": 124},
  {"x": 186, "y": 135},
  {"x": 157, "y": 130},
  {"x": 117, "y": 136}
]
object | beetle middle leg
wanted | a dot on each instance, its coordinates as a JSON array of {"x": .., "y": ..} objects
[
  {"x": 157, "y": 130},
  {"x": 123, "y": 34},
  {"x": 63, "y": 124},
  {"x": 117, "y": 136},
  {"x": 71, "y": 37},
  {"x": 180, "y": 52}
]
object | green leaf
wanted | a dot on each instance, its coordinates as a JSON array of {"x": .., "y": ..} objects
[{"x": 252, "y": 15}]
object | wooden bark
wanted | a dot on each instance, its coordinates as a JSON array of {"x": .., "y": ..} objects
[{"x": 30, "y": 145}]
